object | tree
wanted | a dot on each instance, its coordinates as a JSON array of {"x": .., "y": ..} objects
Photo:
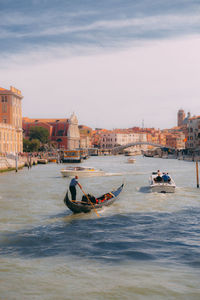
[
  {"x": 39, "y": 133},
  {"x": 34, "y": 145},
  {"x": 31, "y": 146},
  {"x": 26, "y": 144}
]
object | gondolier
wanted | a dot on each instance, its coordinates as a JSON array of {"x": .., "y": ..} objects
[{"x": 72, "y": 187}]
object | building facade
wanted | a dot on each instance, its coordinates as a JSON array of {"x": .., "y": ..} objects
[
  {"x": 11, "y": 138},
  {"x": 85, "y": 136},
  {"x": 111, "y": 139},
  {"x": 193, "y": 140},
  {"x": 64, "y": 133},
  {"x": 175, "y": 140}
]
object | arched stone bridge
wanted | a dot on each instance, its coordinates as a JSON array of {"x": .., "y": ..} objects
[{"x": 122, "y": 147}]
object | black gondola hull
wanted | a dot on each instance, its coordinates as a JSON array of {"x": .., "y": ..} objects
[{"x": 79, "y": 207}]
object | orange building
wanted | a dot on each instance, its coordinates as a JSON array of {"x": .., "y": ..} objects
[
  {"x": 11, "y": 140},
  {"x": 57, "y": 129},
  {"x": 63, "y": 132},
  {"x": 175, "y": 140},
  {"x": 85, "y": 136}
]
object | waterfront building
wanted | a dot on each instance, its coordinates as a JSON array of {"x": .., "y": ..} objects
[
  {"x": 193, "y": 141},
  {"x": 85, "y": 136},
  {"x": 175, "y": 140},
  {"x": 96, "y": 137},
  {"x": 64, "y": 133},
  {"x": 117, "y": 137},
  {"x": 11, "y": 139}
]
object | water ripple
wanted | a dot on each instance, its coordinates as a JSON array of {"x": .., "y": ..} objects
[{"x": 166, "y": 237}]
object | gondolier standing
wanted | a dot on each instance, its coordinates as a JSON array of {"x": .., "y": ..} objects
[{"x": 72, "y": 187}]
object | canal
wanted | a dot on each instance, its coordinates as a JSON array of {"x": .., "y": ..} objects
[{"x": 144, "y": 246}]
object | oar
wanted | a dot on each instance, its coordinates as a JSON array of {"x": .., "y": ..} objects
[{"x": 90, "y": 202}]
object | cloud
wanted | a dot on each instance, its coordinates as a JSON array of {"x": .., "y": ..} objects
[
  {"x": 114, "y": 65},
  {"x": 146, "y": 24},
  {"x": 113, "y": 89}
]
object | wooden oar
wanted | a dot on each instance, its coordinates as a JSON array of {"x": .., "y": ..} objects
[{"x": 90, "y": 202}]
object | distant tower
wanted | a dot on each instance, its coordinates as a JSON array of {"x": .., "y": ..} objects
[
  {"x": 188, "y": 115},
  {"x": 73, "y": 133},
  {"x": 180, "y": 117}
]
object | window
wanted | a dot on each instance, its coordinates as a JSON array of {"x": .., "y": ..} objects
[
  {"x": 4, "y": 99},
  {"x": 4, "y": 107},
  {"x": 60, "y": 133}
]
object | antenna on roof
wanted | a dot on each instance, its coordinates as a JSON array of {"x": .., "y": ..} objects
[{"x": 143, "y": 124}]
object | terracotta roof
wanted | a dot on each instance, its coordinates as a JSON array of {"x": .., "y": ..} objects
[
  {"x": 43, "y": 120},
  {"x": 195, "y": 117}
]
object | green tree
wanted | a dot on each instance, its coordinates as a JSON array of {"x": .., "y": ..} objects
[
  {"x": 31, "y": 146},
  {"x": 26, "y": 144},
  {"x": 34, "y": 145},
  {"x": 39, "y": 133}
]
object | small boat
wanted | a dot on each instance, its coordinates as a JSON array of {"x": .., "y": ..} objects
[
  {"x": 71, "y": 156},
  {"x": 82, "y": 206},
  {"x": 42, "y": 161},
  {"x": 81, "y": 172},
  {"x": 129, "y": 153},
  {"x": 54, "y": 160},
  {"x": 159, "y": 185},
  {"x": 131, "y": 160}
]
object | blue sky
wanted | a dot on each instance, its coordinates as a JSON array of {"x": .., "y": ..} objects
[{"x": 114, "y": 63}]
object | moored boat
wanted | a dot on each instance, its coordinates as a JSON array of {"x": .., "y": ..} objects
[
  {"x": 71, "y": 156},
  {"x": 86, "y": 206},
  {"x": 159, "y": 185},
  {"x": 81, "y": 172},
  {"x": 42, "y": 161}
]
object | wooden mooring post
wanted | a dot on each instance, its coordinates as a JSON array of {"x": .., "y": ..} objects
[
  {"x": 197, "y": 173},
  {"x": 16, "y": 162}
]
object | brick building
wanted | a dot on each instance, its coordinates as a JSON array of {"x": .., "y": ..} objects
[{"x": 63, "y": 132}]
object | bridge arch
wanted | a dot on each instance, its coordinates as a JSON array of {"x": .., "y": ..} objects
[{"x": 122, "y": 147}]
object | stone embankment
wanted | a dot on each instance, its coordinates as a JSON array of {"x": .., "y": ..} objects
[
  {"x": 9, "y": 164},
  {"x": 189, "y": 158}
]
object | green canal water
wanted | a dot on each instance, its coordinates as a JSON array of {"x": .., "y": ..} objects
[{"x": 144, "y": 246}]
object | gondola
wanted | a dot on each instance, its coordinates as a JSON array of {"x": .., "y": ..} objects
[{"x": 81, "y": 206}]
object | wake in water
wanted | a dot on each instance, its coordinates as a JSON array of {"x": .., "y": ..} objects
[
  {"x": 113, "y": 174},
  {"x": 125, "y": 173}
]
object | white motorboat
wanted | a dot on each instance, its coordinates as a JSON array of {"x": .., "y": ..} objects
[
  {"x": 159, "y": 185},
  {"x": 81, "y": 172},
  {"x": 131, "y": 160}
]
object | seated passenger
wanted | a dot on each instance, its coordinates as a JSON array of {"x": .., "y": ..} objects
[
  {"x": 166, "y": 177},
  {"x": 158, "y": 179}
]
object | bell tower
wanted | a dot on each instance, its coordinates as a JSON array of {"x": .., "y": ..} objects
[
  {"x": 180, "y": 117},
  {"x": 73, "y": 133}
]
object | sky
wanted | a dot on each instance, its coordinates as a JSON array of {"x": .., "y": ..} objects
[{"x": 114, "y": 63}]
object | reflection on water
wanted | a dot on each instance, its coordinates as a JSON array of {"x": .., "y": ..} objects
[{"x": 141, "y": 241}]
